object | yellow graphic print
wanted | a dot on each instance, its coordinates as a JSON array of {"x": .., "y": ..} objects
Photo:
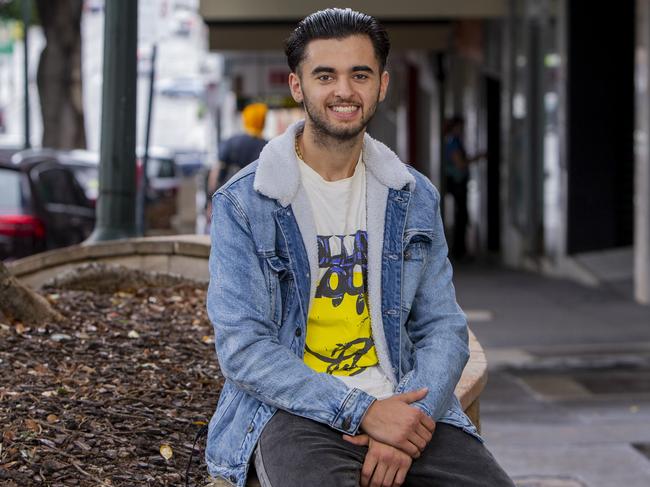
[{"x": 339, "y": 337}]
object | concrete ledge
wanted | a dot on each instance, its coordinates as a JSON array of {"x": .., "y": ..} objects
[
  {"x": 179, "y": 254},
  {"x": 187, "y": 255}
]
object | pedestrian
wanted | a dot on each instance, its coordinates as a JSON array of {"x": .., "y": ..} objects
[
  {"x": 336, "y": 324},
  {"x": 238, "y": 151},
  {"x": 457, "y": 166}
]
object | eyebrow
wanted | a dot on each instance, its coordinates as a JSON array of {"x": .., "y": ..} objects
[{"x": 328, "y": 69}]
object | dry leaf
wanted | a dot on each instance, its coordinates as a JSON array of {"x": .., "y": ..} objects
[
  {"x": 207, "y": 339},
  {"x": 32, "y": 425},
  {"x": 166, "y": 451},
  {"x": 133, "y": 334},
  {"x": 52, "y": 418},
  {"x": 20, "y": 328},
  {"x": 48, "y": 393}
]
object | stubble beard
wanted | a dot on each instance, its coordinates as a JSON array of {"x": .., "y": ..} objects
[{"x": 325, "y": 133}]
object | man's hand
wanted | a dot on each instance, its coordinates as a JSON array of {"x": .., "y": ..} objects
[
  {"x": 394, "y": 422},
  {"x": 384, "y": 465}
]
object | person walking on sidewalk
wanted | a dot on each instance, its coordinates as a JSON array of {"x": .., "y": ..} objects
[
  {"x": 336, "y": 322},
  {"x": 457, "y": 166},
  {"x": 238, "y": 151}
]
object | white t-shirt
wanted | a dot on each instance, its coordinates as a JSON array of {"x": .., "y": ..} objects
[{"x": 339, "y": 336}]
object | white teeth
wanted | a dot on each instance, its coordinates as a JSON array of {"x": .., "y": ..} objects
[{"x": 344, "y": 109}]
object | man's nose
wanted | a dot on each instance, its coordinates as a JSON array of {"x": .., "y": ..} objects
[{"x": 343, "y": 88}]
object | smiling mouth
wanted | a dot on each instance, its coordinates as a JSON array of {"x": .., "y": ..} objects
[{"x": 344, "y": 108}]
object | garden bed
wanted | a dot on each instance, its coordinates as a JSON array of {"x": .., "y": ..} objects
[{"x": 113, "y": 395}]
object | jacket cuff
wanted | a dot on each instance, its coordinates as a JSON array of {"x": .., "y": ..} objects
[
  {"x": 423, "y": 407},
  {"x": 348, "y": 419}
]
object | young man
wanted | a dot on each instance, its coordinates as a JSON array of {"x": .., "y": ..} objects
[{"x": 336, "y": 323}]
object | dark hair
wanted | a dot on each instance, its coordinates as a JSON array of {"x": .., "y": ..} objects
[
  {"x": 453, "y": 123},
  {"x": 335, "y": 23}
]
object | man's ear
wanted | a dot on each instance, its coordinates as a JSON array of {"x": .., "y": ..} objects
[
  {"x": 383, "y": 85},
  {"x": 294, "y": 86}
]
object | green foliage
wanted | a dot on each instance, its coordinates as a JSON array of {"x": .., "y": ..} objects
[{"x": 13, "y": 9}]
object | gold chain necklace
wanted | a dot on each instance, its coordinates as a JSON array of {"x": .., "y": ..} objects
[{"x": 297, "y": 147}]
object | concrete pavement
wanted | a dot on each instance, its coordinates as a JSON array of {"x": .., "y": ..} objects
[{"x": 568, "y": 395}]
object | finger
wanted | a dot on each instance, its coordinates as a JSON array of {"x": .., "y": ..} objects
[
  {"x": 410, "y": 449},
  {"x": 423, "y": 433},
  {"x": 400, "y": 476},
  {"x": 359, "y": 440},
  {"x": 378, "y": 476},
  {"x": 389, "y": 477},
  {"x": 413, "y": 396},
  {"x": 367, "y": 469},
  {"x": 427, "y": 422},
  {"x": 418, "y": 441}
]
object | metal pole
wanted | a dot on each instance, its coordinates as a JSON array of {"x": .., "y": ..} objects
[
  {"x": 26, "y": 11},
  {"x": 144, "y": 179},
  {"x": 642, "y": 150},
  {"x": 117, "y": 171}
]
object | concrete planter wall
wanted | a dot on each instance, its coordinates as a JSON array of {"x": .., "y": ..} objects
[{"x": 187, "y": 255}]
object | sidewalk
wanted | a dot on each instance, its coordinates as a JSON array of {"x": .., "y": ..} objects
[{"x": 568, "y": 396}]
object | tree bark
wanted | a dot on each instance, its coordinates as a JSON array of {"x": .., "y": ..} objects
[
  {"x": 59, "y": 74},
  {"x": 18, "y": 302}
]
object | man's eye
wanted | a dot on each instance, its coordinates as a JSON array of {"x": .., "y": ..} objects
[
  {"x": 360, "y": 76},
  {"x": 324, "y": 77}
]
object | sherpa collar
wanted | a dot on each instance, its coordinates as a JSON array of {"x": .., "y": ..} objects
[{"x": 278, "y": 174}]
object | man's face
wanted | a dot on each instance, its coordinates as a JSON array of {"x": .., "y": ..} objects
[{"x": 340, "y": 85}]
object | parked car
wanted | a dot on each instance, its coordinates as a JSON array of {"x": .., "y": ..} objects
[
  {"x": 181, "y": 87},
  {"x": 84, "y": 164},
  {"x": 42, "y": 206}
]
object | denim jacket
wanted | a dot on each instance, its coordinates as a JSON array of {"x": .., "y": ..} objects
[{"x": 263, "y": 272}]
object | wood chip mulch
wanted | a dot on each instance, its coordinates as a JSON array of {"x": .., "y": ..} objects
[{"x": 112, "y": 396}]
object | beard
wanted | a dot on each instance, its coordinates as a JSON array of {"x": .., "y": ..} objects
[{"x": 324, "y": 129}]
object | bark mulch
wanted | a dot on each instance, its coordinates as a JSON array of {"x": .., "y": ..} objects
[{"x": 113, "y": 395}]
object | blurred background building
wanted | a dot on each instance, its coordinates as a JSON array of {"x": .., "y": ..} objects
[
  {"x": 554, "y": 92},
  {"x": 547, "y": 89}
]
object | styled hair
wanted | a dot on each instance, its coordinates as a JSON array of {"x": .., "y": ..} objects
[{"x": 336, "y": 23}]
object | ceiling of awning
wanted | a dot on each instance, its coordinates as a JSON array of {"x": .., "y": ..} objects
[
  {"x": 261, "y": 37},
  {"x": 264, "y": 24},
  {"x": 291, "y": 10}
]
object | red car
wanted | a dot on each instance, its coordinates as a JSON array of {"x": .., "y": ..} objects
[{"x": 42, "y": 206}]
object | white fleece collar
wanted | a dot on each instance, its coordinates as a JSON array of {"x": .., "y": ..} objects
[{"x": 278, "y": 174}]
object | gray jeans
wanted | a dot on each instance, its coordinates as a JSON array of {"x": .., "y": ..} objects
[{"x": 297, "y": 452}]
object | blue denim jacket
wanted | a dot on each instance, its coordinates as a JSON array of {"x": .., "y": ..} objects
[{"x": 263, "y": 271}]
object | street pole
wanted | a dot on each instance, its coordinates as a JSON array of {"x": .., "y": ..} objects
[
  {"x": 117, "y": 170},
  {"x": 642, "y": 153},
  {"x": 144, "y": 179},
  {"x": 26, "y": 8}
]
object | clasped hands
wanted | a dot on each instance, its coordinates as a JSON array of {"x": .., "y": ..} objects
[{"x": 395, "y": 433}]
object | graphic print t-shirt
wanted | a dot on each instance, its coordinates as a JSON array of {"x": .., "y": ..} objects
[{"x": 339, "y": 336}]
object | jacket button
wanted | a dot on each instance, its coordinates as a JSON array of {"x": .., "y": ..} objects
[
  {"x": 298, "y": 332},
  {"x": 346, "y": 423}
]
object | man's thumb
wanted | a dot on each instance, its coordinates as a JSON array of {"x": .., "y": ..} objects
[{"x": 413, "y": 396}]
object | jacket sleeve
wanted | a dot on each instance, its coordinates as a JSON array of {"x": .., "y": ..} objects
[
  {"x": 248, "y": 348},
  {"x": 437, "y": 327}
]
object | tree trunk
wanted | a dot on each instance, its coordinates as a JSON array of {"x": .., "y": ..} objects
[
  {"x": 18, "y": 302},
  {"x": 59, "y": 74}
]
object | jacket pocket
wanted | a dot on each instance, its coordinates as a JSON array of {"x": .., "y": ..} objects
[
  {"x": 416, "y": 246},
  {"x": 280, "y": 286}
]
